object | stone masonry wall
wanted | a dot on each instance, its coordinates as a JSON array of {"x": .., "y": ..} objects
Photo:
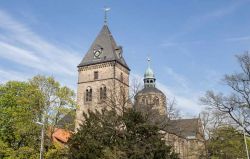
[{"x": 109, "y": 75}]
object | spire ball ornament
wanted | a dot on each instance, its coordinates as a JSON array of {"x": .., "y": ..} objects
[{"x": 148, "y": 61}]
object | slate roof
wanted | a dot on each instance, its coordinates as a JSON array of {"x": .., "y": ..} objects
[
  {"x": 110, "y": 50},
  {"x": 184, "y": 127},
  {"x": 150, "y": 90}
]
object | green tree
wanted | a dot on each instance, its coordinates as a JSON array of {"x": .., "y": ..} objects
[
  {"x": 19, "y": 109},
  {"x": 108, "y": 135},
  {"x": 22, "y": 104},
  {"x": 226, "y": 142},
  {"x": 57, "y": 153},
  {"x": 57, "y": 101}
]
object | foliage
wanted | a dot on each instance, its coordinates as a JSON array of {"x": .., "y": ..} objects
[
  {"x": 24, "y": 103},
  {"x": 4, "y": 150},
  {"x": 108, "y": 135},
  {"x": 57, "y": 153},
  {"x": 19, "y": 105},
  {"x": 227, "y": 142},
  {"x": 23, "y": 153},
  {"x": 57, "y": 100}
]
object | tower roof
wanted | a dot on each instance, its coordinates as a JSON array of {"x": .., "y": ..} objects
[
  {"x": 148, "y": 90},
  {"x": 149, "y": 77},
  {"x": 103, "y": 49},
  {"x": 149, "y": 73}
]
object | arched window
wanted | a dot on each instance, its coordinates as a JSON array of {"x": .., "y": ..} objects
[
  {"x": 103, "y": 92},
  {"x": 143, "y": 100},
  {"x": 156, "y": 101},
  {"x": 95, "y": 75},
  {"x": 88, "y": 94}
]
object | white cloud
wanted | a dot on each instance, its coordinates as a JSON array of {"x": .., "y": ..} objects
[
  {"x": 23, "y": 47},
  {"x": 197, "y": 21},
  {"x": 179, "y": 79},
  {"x": 6, "y": 75},
  {"x": 242, "y": 38},
  {"x": 180, "y": 44},
  {"x": 188, "y": 104},
  {"x": 19, "y": 44}
]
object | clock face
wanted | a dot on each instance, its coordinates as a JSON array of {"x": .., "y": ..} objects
[{"x": 97, "y": 51}]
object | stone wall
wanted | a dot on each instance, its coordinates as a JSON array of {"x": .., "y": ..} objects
[
  {"x": 148, "y": 99},
  {"x": 112, "y": 75}
]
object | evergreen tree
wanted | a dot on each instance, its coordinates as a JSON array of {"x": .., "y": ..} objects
[{"x": 109, "y": 135}]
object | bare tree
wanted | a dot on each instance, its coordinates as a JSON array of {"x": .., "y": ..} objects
[
  {"x": 211, "y": 119},
  {"x": 236, "y": 105},
  {"x": 172, "y": 111},
  {"x": 135, "y": 86}
]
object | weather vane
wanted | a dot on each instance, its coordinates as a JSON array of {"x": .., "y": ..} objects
[{"x": 106, "y": 9}]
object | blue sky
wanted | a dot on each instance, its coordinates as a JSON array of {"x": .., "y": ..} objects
[{"x": 192, "y": 43}]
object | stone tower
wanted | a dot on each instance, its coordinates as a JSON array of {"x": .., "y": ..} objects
[
  {"x": 150, "y": 95},
  {"x": 103, "y": 75}
]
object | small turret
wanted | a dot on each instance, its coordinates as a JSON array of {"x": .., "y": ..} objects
[
  {"x": 150, "y": 97},
  {"x": 149, "y": 78}
]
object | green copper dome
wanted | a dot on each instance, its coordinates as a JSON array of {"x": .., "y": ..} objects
[
  {"x": 149, "y": 73},
  {"x": 149, "y": 77}
]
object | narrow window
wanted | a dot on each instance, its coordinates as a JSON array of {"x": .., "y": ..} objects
[
  {"x": 96, "y": 75},
  {"x": 103, "y": 92},
  {"x": 88, "y": 94},
  {"x": 143, "y": 101},
  {"x": 156, "y": 101}
]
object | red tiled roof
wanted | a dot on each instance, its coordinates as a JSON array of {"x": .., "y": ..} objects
[{"x": 61, "y": 135}]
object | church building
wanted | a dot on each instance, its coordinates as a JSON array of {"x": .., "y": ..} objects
[
  {"x": 103, "y": 75},
  {"x": 103, "y": 82}
]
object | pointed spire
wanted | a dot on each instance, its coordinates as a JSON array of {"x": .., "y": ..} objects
[{"x": 103, "y": 49}]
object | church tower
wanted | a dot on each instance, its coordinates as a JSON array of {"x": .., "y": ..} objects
[
  {"x": 102, "y": 75},
  {"x": 150, "y": 96}
]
